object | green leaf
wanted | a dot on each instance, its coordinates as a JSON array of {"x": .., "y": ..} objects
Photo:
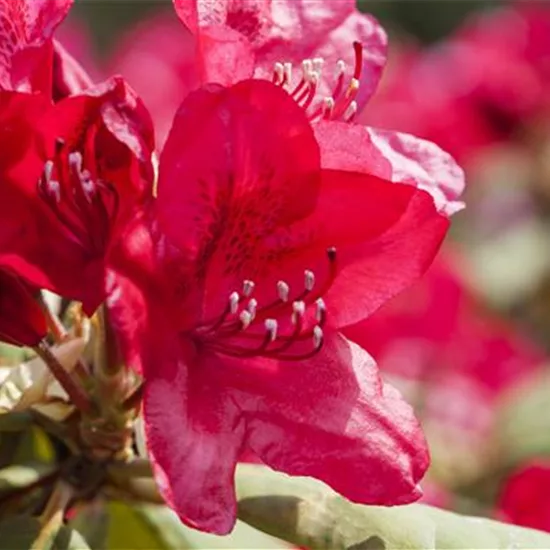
[
  {"x": 147, "y": 527},
  {"x": 308, "y": 513},
  {"x": 92, "y": 522},
  {"x": 20, "y": 532},
  {"x": 19, "y": 476}
]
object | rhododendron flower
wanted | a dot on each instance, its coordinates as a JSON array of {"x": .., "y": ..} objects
[
  {"x": 263, "y": 255},
  {"x": 73, "y": 173},
  {"x": 524, "y": 498}
]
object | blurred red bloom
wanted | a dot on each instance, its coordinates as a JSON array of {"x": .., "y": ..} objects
[
  {"x": 452, "y": 358},
  {"x": 524, "y": 498}
]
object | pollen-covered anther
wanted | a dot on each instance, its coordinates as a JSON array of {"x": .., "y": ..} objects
[
  {"x": 298, "y": 311},
  {"x": 234, "y": 300},
  {"x": 271, "y": 326},
  {"x": 245, "y": 317},
  {"x": 317, "y": 337},
  {"x": 283, "y": 291},
  {"x": 248, "y": 288},
  {"x": 48, "y": 186},
  {"x": 320, "y": 311},
  {"x": 309, "y": 279},
  {"x": 252, "y": 307}
]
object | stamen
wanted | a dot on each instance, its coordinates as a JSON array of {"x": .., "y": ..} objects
[
  {"x": 328, "y": 107},
  {"x": 298, "y": 311},
  {"x": 309, "y": 279},
  {"x": 271, "y": 328},
  {"x": 278, "y": 74},
  {"x": 318, "y": 63},
  {"x": 252, "y": 307},
  {"x": 245, "y": 318},
  {"x": 358, "y": 48},
  {"x": 234, "y": 300},
  {"x": 283, "y": 291},
  {"x": 59, "y": 145},
  {"x": 248, "y": 288},
  {"x": 317, "y": 337},
  {"x": 287, "y": 79},
  {"x": 351, "y": 111},
  {"x": 321, "y": 311}
]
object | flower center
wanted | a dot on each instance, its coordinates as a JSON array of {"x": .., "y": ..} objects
[
  {"x": 84, "y": 205},
  {"x": 287, "y": 329},
  {"x": 340, "y": 104}
]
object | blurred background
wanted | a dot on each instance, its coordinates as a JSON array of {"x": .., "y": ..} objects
[{"x": 468, "y": 344}]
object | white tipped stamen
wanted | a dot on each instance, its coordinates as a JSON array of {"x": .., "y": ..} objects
[
  {"x": 352, "y": 88},
  {"x": 314, "y": 78},
  {"x": 75, "y": 161},
  {"x": 309, "y": 279},
  {"x": 48, "y": 170},
  {"x": 321, "y": 310},
  {"x": 283, "y": 291},
  {"x": 328, "y": 106},
  {"x": 317, "y": 336},
  {"x": 351, "y": 110},
  {"x": 298, "y": 310},
  {"x": 288, "y": 72},
  {"x": 278, "y": 73},
  {"x": 318, "y": 63},
  {"x": 245, "y": 318},
  {"x": 340, "y": 67},
  {"x": 307, "y": 68},
  {"x": 234, "y": 302},
  {"x": 271, "y": 328},
  {"x": 248, "y": 288},
  {"x": 252, "y": 307}
]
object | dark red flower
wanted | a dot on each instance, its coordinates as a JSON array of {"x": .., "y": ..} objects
[
  {"x": 73, "y": 175},
  {"x": 260, "y": 250},
  {"x": 524, "y": 498}
]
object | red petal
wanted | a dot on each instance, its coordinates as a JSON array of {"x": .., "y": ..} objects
[
  {"x": 69, "y": 78},
  {"x": 22, "y": 322},
  {"x": 194, "y": 442},
  {"x": 331, "y": 417},
  {"x": 26, "y": 29},
  {"x": 223, "y": 192}
]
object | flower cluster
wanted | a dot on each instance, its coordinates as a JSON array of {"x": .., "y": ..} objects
[{"x": 228, "y": 268}]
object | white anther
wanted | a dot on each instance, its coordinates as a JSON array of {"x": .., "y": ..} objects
[
  {"x": 318, "y": 63},
  {"x": 309, "y": 279},
  {"x": 279, "y": 72},
  {"x": 340, "y": 67},
  {"x": 321, "y": 310},
  {"x": 328, "y": 105},
  {"x": 283, "y": 291},
  {"x": 48, "y": 170},
  {"x": 271, "y": 328},
  {"x": 307, "y": 68},
  {"x": 314, "y": 78},
  {"x": 234, "y": 299},
  {"x": 75, "y": 161},
  {"x": 245, "y": 318},
  {"x": 252, "y": 307},
  {"x": 288, "y": 72},
  {"x": 317, "y": 336},
  {"x": 298, "y": 310},
  {"x": 351, "y": 110},
  {"x": 248, "y": 287}
]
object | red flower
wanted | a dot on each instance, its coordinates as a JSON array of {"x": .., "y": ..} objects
[
  {"x": 266, "y": 248},
  {"x": 524, "y": 498},
  {"x": 73, "y": 175}
]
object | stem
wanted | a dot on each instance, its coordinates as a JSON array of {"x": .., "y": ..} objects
[
  {"x": 52, "y": 517},
  {"x": 133, "y": 401},
  {"x": 54, "y": 323},
  {"x": 75, "y": 392}
]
